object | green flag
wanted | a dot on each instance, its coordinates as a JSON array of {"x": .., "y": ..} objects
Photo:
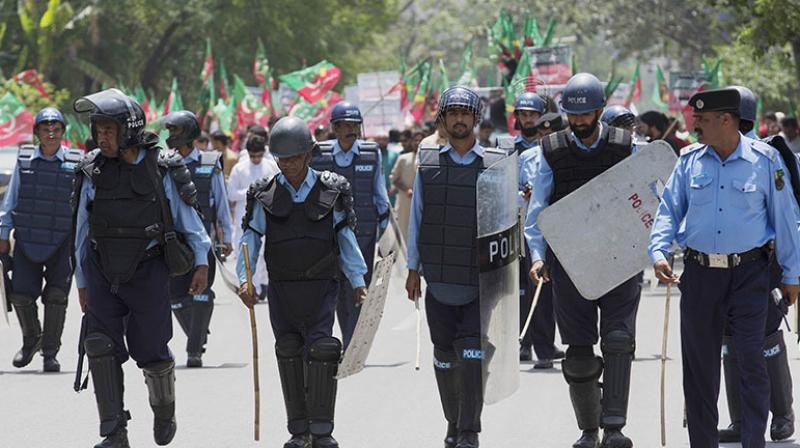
[
  {"x": 208, "y": 92},
  {"x": 312, "y": 83},
  {"x": 660, "y": 90}
]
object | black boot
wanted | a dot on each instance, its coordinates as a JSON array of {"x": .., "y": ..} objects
[
  {"x": 198, "y": 334},
  {"x": 470, "y": 387},
  {"x": 525, "y": 353},
  {"x": 588, "y": 439},
  {"x": 445, "y": 365},
  {"x": 733, "y": 433},
  {"x": 55, "y": 312},
  {"x": 106, "y": 373},
  {"x": 323, "y": 364},
  {"x": 291, "y": 368},
  {"x": 618, "y": 347},
  {"x": 582, "y": 369},
  {"x": 28, "y": 316},
  {"x": 780, "y": 381},
  {"x": 467, "y": 439},
  {"x": 160, "y": 380}
]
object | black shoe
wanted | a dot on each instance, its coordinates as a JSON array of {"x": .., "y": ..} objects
[
  {"x": 25, "y": 355},
  {"x": 589, "y": 439},
  {"x": 542, "y": 364},
  {"x": 164, "y": 431},
  {"x": 525, "y": 353},
  {"x": 325, "y": 442},
  {"x": 451, "y": 438},
  {"x": 559, "y": 354},
  {"x": 298, "y": 441},
  {"x": 467, "y": 439},
  {"x": 781, "y": 428},
  {"x": 117, "y": 440},
  {"x": 613, "y": 438},
  {"x": 194, "y": 360},
  {"x": 51, "y": 364},
  {"x": 731, "y": 434}
]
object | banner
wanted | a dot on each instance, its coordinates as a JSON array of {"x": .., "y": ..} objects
[
  {"x": 379, "y": 102},
  {"x": 551, "y": 65}
]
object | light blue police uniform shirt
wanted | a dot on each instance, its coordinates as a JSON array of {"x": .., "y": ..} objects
[
  {"x": 731, "y": 206},
  {"x": 11, "y": 199},
  {"x": 380, "y": 197},
  {"x": 219, "y": 197},
  {"x": 351, "y": 261},
  {"x": 184, "y": 217}
]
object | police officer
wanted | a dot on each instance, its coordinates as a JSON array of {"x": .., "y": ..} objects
[
  {"x": 130, "y": 204},
  {"x": 619, "y": 117},
  {"x": 729, "y": 196},
  {"x": 442, "y": 245},
  {"x": 360, "y": 163},
  {"x": 308, "y": 212},
  {"x": 36, "y": 206},
  {"x": 549, "y": 123},
  {"x": 194, "y": 311},
  {"x": 780, "y": 377},
  {"x": 571, "y": 158}
]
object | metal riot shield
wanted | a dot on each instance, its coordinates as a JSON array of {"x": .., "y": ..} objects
[
  {"x": 600, "y": 232},
  {"x": 371, "y": 313},
  {"x": 498, "y": 255},
  {"x": 229, "y": 278},
  {"x": 4, "y": 304}
]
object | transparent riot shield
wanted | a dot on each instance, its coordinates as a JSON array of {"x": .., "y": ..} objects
[{"x": 499, "y": 251}]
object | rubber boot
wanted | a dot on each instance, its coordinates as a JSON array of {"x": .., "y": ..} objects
[
  {"x": 780, "y": 380},
  {"x": 445, "y": 365},
  {"x": 28, "y": 315},
  {"x": 160, "y": 380},
  {"x": 733, "y": 433},
  {"x": 323, "y": 364}
]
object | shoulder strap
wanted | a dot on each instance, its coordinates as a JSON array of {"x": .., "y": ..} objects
[
  {"x": 619, "y": 137},
  {"x": 368, "y": 146},
  {"x": 25, "y": 156},
  {"x": 428, "y": 155},
  {"x": 210, "y": 158}
]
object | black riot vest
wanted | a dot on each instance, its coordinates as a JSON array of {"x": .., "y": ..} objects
[
  {"x": 361, "y": 174},
  {"x": 572, "y": 167},
  {"x": 203, "y": 172},
  {"x": 300, "y": 239},
  {"x": 448, "y": 234},
  {"x": 125, "y": 215},
  {"x": 42, "y": 217}
]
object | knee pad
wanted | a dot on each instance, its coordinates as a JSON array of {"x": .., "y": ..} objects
[
  {"x": 98, "y": 345},
  {"x": 444, "y": 360},
  {"x": 289, "y": 346},
  {"x": 581, "y": 365},
  {"x": 618, "y": 342},
  {"x": 21, "y": 299},
  {"x": 54, "y": 296},
  {"x": 327, "y": 349}
]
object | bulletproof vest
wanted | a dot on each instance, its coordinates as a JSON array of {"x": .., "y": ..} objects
[
  {"x": 573, "y": 167},
  {"x": 203, "y": 172},
  {"x": 43, "y": 216},
  {"x": 361, "y": 174},
  {"x": 301, "y": 240},
  {"x": 125, "y": 215},
  {"x": 448, "y": 234}
]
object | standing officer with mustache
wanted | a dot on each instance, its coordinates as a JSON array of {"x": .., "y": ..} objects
[
  {"x": 360, "y": 163},
  {"x": 571, "y": 158}
]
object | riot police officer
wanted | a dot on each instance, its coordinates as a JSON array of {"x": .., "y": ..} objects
[
  {"x": 193, "y": 311},
  {"x": 360, "y": 163},
  {"x": 780, "y": 376},
  {"x": 36, "y": 206},
  {"x": 131, "y": 205},
  {"x": 303, "y": 211},
  {"x": 571, "y": 158},
  {"x": 728, "y": 198},
  {"x": 442, "y": 246},
  {"x": 619, "y": 117}
]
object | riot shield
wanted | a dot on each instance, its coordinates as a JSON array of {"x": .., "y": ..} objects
[
  {"x": 371, "y": 313},
  {"x": 600, "y": 231},
  {"x": 498, "y": 255},
  {"x": 4, "y": 293},
  {"x": 228, "y": 278}
]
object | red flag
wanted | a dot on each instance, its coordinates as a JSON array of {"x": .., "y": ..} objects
[
  {"x": 636, "y": 88},
  {"x": 312, "y": 83},
  {"x": 16, "y": 123},
  {"x": 32, "y": 78},
  {"x": 688, "y": 111}
]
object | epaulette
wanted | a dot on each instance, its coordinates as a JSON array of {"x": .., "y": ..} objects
[
  {"x": 73, "y": 155},
  {"x": 173, "y": 162},
  {"x": 691, "y": 148},
  {"x": 765, "y": 149},
  {"x": 25, "y": 156},
  {"x": 346, "y": 202}
]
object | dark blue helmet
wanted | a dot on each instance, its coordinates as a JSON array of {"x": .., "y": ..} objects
[
  {"x": 189, "y": 124},
  {"x": 618, "y": 116},
  {"x": 49, "y": 114},
  {"x": 345, "y": 111},
  {"x": 583, "y": 93},
  {"x": 529, "y": 101},
  {"x": 459, "y": 96},
  {"x": 747, "y": 106},
  {"x": 289, "y": 137}
]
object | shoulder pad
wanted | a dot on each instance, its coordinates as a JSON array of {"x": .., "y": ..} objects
[
  {"x": 765, "y": 149},
  {"x": 428, "y": 155},
  {"x": 86, "y": 164},
  {"x": 26, "y": 152},
  {"x": 170, "y": 159},
  {"x": 259, "y": 186},
  {"x": 334, "y": 181},
  {"x": 556, "y": 140},
  {"x": 691, "y": 148},
  {"x": 326, "y": 146},
  {"x": 345, "y": 201},
  {"x": 506, "y": 143},
  {"x": 494, "y": 155},
  {"x": 621, "y": 137},
  {"x": 173, "y": 162},
  {"x": 73, "y": 155},
  {"x": 368, "y": 146},
  {"x": 211, "y": 158}
]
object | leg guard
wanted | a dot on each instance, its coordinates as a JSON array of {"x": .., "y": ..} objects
[
  {"x": 470, "y": 383},
  {"x": 582, "y": 370},
  {"x": 182, "y": 308},
  {"x": 289, "y": 351},
  {"x": 160, "y": 380},
  {"x": 107, "y": 379},
  {"x": 55, "y": 311},
  {"x": 28, "y": 316},
  {"x": 201, "y": 318},
  {"x": 445, "y": 366},
  {"x": 780, "y": 380},
  {"x": 618, "y": 347},
  {"x": 733, "y": 433},
  {"x": 323, "y": 364}
]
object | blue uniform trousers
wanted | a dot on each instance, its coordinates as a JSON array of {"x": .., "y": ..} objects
[
  {"x": 56, "y": 271},
  {"x": 448, "y": 323},
  {"x": 303, "y": 308},
  {"x": 710, "y": 299}
]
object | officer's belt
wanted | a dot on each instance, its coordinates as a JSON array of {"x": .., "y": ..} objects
[{"x": 725, "y": 261}]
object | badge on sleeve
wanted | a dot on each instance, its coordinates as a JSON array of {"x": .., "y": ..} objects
[{"x": 779, "y": 182}]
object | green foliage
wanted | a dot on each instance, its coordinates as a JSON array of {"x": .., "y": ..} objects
[{"x": 33, "y": 100}]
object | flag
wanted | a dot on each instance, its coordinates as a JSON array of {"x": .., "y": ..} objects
[
  {"x": 688, "y": 111},
  {"x": 207, "y": 94},
  {"x": 713, "y": 75},
  {"x": 468, "y": 77},
  {"x": 224, "y": 88},
  {"x": 759, "y": 120},
  {"x": 318, "y": 113},
  {"x": 443, "y": 81},
  {"x": 33, "y": 79},
  {"x": 574, "y": 65},
  {"x": 636, "y": 88},
  {"x": 261, "y": 70},
  {"x": 660, "y": 90},
  {"x": 792, "y": 111},
  {"x": 418, "y": 107},
  {"x": 523, "y": 81},
  {"x": 225, "y": 113},
  {"x": 312, "y": 83},
  {"x": 174, "y": 102},
  {"x": 16, "y": 123}
]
